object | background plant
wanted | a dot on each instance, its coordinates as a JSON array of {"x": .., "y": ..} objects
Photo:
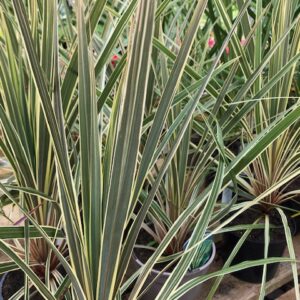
[{"x": 280, "y": 160}]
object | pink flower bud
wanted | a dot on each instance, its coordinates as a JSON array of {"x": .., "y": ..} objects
[
  {"x": 114, "y": 59},
  {"x": 211, "y": 42}
]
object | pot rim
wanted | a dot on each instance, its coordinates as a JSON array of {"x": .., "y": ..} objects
[
  {"x": 293, "y": 232},
  {"x": 1, "y": 284},
  {"x": 189, "y": 273},
  {"x": 274, "y": 242}
]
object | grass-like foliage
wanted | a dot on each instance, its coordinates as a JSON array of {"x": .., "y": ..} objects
[{"x": 100, "y": 105}]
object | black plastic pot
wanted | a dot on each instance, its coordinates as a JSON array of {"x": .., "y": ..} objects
[
  {"x": 295, "y": 221},
  {"x": 253, "y": 250},
  {"x": 1, "y": 285},
  {"x": 294, "y": 203},
  {"x": 12, "y": 282}
]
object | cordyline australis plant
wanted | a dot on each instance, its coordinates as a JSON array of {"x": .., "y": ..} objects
[
  {"x": 96, "y": 174},
  {"x": 79, "y": 201},
  {"x": 86, "y": 223},
  {"x": 273, "y": 38},
  {"x": 26, "y": 142},
  {"x": 279, "y": 164}
]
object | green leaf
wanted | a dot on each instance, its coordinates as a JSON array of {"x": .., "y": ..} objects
[
  {"x": 130, "y": 116},
  {"x": 17, "y": 232},
  {"x": 241, "y": 266}
]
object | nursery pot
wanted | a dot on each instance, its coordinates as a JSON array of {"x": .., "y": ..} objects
[
  {"x": 10, "y": 283},
  {"x": 293, "y": 204},
  {"x": 253, "y": 249},
  {"x": 295, "y": 221},
  {"x": 13, "y": 281},
  {"x": 156, "y": 286}
]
